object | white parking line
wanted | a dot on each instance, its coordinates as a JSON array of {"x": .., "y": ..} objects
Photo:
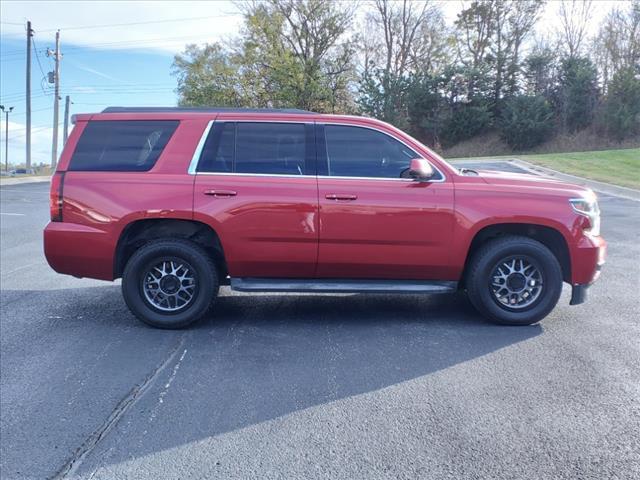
[{"x": 13, "y": 214}]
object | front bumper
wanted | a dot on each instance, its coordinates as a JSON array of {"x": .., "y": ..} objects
[{"x": 592, "y": 258}]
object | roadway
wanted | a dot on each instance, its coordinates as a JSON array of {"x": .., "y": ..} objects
[{"x": 313, "y": 386}]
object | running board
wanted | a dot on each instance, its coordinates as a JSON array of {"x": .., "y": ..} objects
[{"x": 341, "y": 286}]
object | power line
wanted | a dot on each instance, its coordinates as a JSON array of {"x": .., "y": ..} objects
[
  {"x": 32, "y": 111},
  {"x": 100, "y": 88},
  {"x": 17, "y": 54},
  {"x": 135, "y": 42},
  {"x": 106, "y": 104},
  {"x": 109, "y": 25},
  {"x": 44, "y": 75}
]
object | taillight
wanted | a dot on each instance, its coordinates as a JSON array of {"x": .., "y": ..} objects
[{"x": 55, "y": 196}]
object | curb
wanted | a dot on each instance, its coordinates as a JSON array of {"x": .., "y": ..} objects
[{"x": 21, "y": 181}]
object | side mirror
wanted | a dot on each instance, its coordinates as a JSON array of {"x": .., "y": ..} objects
[{"x": 420, "y": 170}]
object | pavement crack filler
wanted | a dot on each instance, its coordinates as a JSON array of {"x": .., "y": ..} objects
[{"x": 125, "y": 404}]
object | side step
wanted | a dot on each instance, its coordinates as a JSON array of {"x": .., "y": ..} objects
[{"x": 321, "y": 285}]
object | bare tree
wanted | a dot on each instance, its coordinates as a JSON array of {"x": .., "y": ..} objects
[
  {"x": 520, "y": 22},
  {"x": 492, "y": 33},
  {"x": 432, "y": 48},
  {"x": 574, "y": 18},
  {"x": 390, "y": 57},
  {"x": 617, "y": 44},
  {"x": 400, "y": 24},
  {"x": 476, "y": 25}
]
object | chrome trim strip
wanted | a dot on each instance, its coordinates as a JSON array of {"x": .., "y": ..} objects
[
  {"x": 235, "y": 174},
  {"x": 193, "y": 166},
  {"x": 443, "y": 179},
  {"x": 309, "y": 176},
  {"x": 332, "y": 285},
  {"x": 337, "y": 177},
  {"x": 258, "y": 120}
]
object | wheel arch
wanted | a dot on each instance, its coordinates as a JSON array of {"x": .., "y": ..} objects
[
  {"x": 139, "y": 232},
  {"x": 549, "y": 236}
]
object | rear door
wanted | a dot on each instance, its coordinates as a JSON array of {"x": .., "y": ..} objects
[
  {"x": 374, "y": 221},
  {"x": 256, "y": 186}
]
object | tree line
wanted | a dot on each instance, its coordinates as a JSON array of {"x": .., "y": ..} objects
[{"x": 400, "y": 62}]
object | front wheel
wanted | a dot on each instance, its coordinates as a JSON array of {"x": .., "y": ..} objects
[
  {"x": 514, "y": 280},
  {"x": 169, "y": 283}
]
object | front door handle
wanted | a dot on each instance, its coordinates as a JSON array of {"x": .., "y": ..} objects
[
  {"x": 220, "y": 193},
  {"x": 340, "y": 196}
]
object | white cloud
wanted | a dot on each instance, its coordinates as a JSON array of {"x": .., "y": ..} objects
[
  {"x": 208, "y": 21},
  {"x": 96, "y": 72}
]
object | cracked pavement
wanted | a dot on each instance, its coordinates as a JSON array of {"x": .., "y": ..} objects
[{"x": 313, "y": 386}]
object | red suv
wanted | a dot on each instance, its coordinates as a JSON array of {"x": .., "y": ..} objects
[{"x": 179, "y": 201}]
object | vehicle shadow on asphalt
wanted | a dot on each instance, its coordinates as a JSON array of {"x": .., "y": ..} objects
[{"x": 260, "y": 357}]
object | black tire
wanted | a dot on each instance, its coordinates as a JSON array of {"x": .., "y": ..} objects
[
  {"x": 203, "y": 280},
  {"x": 503, "y": 249}
]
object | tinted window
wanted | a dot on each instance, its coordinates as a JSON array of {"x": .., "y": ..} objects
[
  {"x": 219, "y": 149},
  {"x": 115, "y": 145},
  {"x": 362, "y": 152},
  {"x": 268, "y": 148}
]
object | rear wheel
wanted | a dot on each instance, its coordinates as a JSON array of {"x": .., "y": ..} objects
[
  {"x": 514, "y": 280},
  {"x": 169, "y": 283}
]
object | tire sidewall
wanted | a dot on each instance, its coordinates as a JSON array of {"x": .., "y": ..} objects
[
  {"x": 139, "y": 262},
  {"x": 482, "y": 297}
]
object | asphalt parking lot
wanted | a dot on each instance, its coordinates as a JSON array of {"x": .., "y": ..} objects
[{"x": 313, "y": 386}]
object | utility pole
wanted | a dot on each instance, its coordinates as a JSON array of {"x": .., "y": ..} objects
[
  {"x": 56, "y": 100},
  {"x": 6, "y": 136},
  {"x": 28, "y": 106},
  {"x": 65, "y": 131}
]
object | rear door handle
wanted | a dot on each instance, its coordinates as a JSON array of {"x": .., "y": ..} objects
[
  {"x": 340, "y": 196},
  {"x": 220, "y": 193}
]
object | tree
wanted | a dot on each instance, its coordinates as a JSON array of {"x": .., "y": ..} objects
[
  {"x": 427, "y": 108},
  {"x": 617, "y": 45},
  {"x": 300, "y": 39},
  {"x": 622, "y": 105},
  {"x": 291, "y": 53},
  {"x": 520, "y": 22},
  {"x": 491, "y": 33},
  {"x": 526, "y": 121},
  {"x": 574, "y": 19},
  {"x": 475, "y": 27},
  {"x": 207, "y": 76},
  {"x": 383, "y": 88},
  {"x": 577, "y": 93},
  {"x": 540, "y": 72}
]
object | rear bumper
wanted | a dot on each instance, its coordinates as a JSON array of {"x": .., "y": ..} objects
[{"x": 79, "y": 250}]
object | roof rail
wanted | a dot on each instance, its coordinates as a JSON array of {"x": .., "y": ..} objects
[{"x": 202, "y": 110}]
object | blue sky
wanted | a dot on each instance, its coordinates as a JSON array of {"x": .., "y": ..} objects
[
  {"x": 119, "y": 53},
  {"x": 114, "y": 53}
]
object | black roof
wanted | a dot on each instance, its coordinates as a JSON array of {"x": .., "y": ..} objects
[{"x": 202, "y": 110}]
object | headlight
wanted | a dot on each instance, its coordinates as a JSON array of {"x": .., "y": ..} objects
[{"x": 588, "y": 207}]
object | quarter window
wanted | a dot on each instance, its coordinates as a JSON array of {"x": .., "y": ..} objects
[
  {"x": 362, "y": 152},
  {"x": 121, "y": 146}
]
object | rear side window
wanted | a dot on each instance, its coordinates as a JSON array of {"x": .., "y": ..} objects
[
  {"x": 260, "y": 148},
  {"x": 121, "y": 145}
]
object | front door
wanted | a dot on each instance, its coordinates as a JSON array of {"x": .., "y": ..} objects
[
  {"x": 375, "y": 222},
  {"x": 256, "y": 186}
]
